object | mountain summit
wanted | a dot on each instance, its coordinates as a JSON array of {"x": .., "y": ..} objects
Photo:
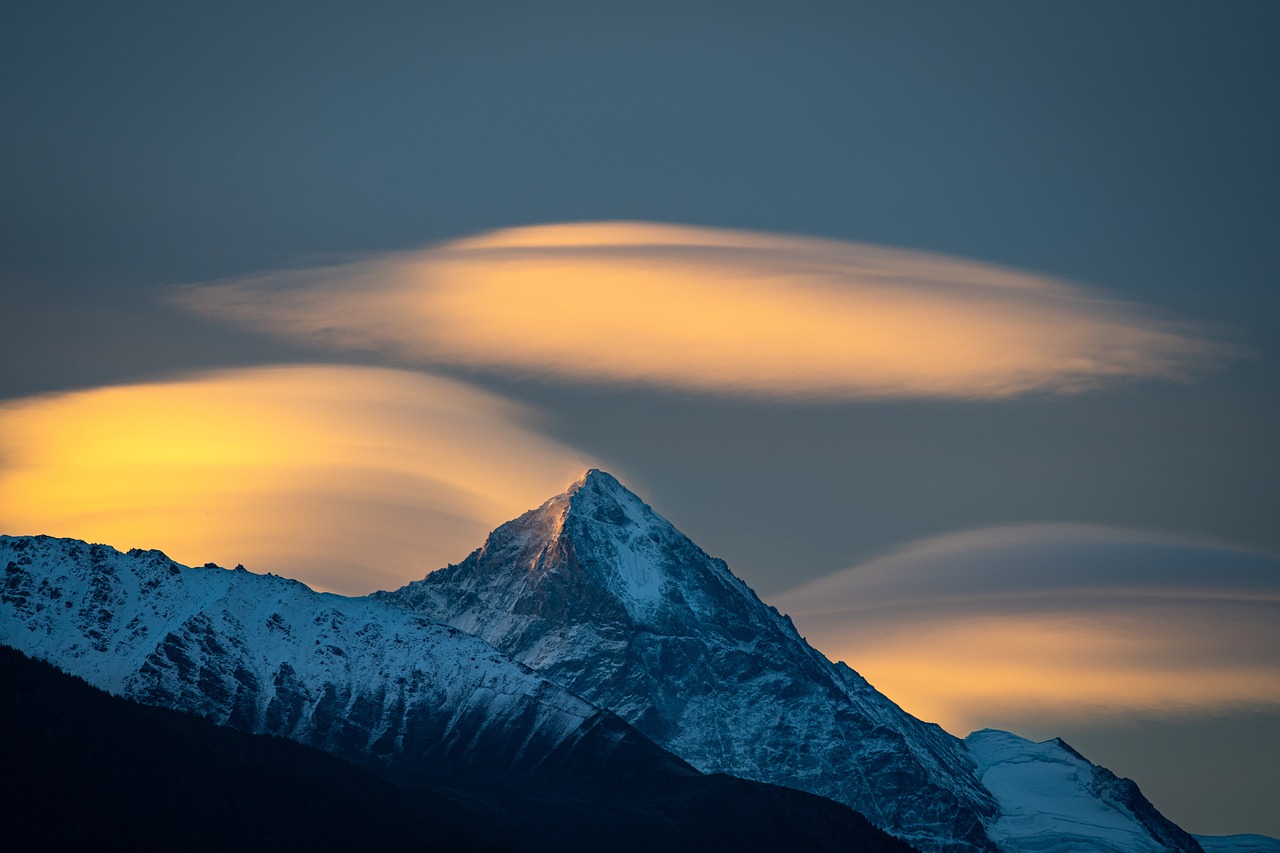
[
  {"x": 596, "y": 545},
  {"x": 607, "y": 599}
]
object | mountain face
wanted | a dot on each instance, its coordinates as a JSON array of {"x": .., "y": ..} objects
[
  {"x": 1052, "y": 798},
  {"x": 150, "y": 779},
  {"x": 487, "y": 748},
  {"x": 355, "y": 677},
  {"x": 607, "y": 599},
  {"x": 154, "y": 779},
  {"x": 552, "y": 660}
]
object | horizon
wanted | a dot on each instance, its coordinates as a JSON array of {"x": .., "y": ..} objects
[{"x": 967, "y": 310}]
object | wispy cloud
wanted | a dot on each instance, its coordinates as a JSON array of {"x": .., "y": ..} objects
[
  {"x": 716, "y": 310},
  {"x": 347, "y": 478},
  {"x": 1070, "y": 620}
]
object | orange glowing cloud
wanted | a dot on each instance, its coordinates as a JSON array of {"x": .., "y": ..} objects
[
  {"x": 347, "y": 478},
  {"x": 1066, "y": 621},
  {"x": 715, "y": 310}
]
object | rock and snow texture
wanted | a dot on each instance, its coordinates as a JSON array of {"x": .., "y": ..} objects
[
  {"x": 1053, "y": 799},
  {"x": 262, "y": 653},
  {"x": 594, "y": 596},
  {"x": 607, "y": 599}
]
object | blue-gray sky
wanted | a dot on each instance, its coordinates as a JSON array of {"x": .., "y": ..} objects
[{"x": 1129, "y": 148}]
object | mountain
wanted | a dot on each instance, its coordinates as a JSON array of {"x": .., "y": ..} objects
[
  {"x": 428, "y": 706},
  {"x": 355, "y": 677},
  {"x": 1053, "y": 798},
  {"x": 152, "y": 779},
  {"x": 548, "y": 684},
  {"x": 604, "y": 597}
]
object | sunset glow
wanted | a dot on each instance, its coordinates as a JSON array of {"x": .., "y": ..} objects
[
  {"x": 347, "y": 478},
  {"x": 951, "y": 329},
  {"x": 714, "y": 310},
  {"x": 1067, "y": 621}
]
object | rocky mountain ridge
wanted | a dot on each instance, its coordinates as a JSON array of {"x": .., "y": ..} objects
[
  {"x": 424, "y": 704},
  {"x": 606, "y": 598},
  {"x": 353, "y": 676},
  {"x": 587, "y": 643}
]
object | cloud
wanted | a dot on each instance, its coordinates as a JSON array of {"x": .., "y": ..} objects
[
  {"x": 347, "y": 478},
  {"x": 1068, "y": 621},
  {"x": 714, "y": 310}
]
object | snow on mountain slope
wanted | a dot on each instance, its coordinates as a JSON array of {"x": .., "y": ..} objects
[
  {"x": 1053, "y": 799},
  {"x": 262, "y": 653},
  {"x": 604, "y": 597},
  {"x": 608, "y": 602}
]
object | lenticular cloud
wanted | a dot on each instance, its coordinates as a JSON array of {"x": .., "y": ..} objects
[
  {"x": 348, "y": 478},
  {"x": 720, "y": 311},
  {"x": 1074, "y": 620}
]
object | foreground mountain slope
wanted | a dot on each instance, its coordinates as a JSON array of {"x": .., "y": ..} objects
[
  {"x": 153, "y": 779},
  {"x": 606, "y": 598},
  {"x": 532, "y": 766}
]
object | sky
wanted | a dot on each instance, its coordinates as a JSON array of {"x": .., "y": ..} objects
[{"x": 953, "y": 328}]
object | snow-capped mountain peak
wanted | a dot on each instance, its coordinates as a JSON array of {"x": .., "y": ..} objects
[
  {"x": 636, "y": 577},
  {"x": 600, "y": 543},
  {"x": 584, "y": 615},
  {"x": 1052, "y": 797},
  {"x": 602, "y": 595},
  {"x": 606, "y": 598}
]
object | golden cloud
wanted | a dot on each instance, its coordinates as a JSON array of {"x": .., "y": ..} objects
[
  {"x": 715, "y": 310},
  {"x": 347, "y": 478},
  {"x": 1066, "y": 621}
]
